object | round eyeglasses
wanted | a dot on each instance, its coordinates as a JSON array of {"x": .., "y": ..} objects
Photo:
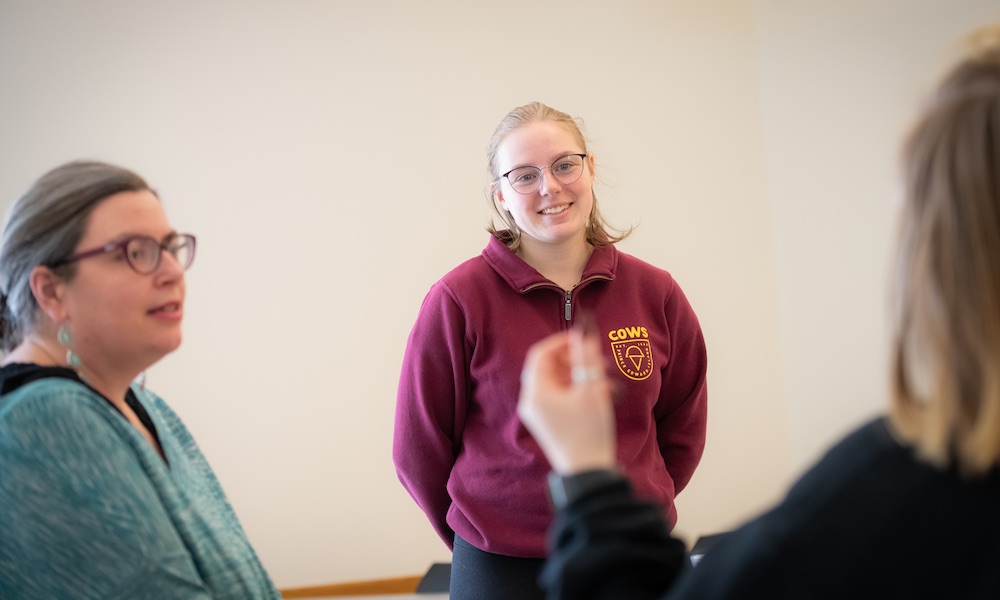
[
  {"x": 142, "y": 252},
  {"x": 566, "y": 169}
]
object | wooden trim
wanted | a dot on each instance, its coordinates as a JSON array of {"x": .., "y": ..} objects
[{"x": 368, "y": 587}]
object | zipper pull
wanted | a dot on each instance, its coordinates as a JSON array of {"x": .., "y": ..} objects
[{"x": 569, "y": 305}]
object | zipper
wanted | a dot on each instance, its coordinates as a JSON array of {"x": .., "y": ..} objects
[{"x": 568, "y": 294}]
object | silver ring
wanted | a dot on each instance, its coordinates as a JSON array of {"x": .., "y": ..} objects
[{"x": 585, "y": 374}]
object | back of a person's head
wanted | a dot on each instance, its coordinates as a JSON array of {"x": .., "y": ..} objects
[{"x": 946, "y": 355}]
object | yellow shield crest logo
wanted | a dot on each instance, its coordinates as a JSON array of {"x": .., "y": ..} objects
[{"x": 634, "y": 358}]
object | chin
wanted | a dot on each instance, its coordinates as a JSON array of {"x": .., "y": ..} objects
[
  {"x": 175, "y": 344},
  {"x": 167, "y": 345}
]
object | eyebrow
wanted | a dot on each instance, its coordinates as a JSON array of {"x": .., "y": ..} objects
[
  {"x": 131, "y": 234},
  {"x": 554, "y": 160}
]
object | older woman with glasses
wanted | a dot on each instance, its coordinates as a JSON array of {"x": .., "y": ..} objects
[
  {"x": 459, "y": 447},
  {"x": 103, "y": 492}
]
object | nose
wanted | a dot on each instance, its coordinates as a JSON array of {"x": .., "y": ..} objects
[
  {"x": 548, "y": 182},
  {"x": 169, "y": 269}
]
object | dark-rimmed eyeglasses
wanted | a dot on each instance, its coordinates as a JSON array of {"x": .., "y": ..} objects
[
  {"x": 566, "y": 169},
  {"x": 142, "y": 252}
]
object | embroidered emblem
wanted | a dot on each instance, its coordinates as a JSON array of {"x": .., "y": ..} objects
[{"x": 634, "y": 358}]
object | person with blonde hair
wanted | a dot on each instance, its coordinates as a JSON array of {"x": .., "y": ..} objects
[
  {"x": 459, "y": 448},
  {"x": 103, "y": 491},
  {"x": 904, "y": 507}
]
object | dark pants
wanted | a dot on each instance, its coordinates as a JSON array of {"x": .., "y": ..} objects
[{"x": 479, "y": 575}]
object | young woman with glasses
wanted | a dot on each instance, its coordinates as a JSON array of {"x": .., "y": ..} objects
[
  {"x": 905, "y": 506},
  {"x": 459, "y": 447},
  {"x": 104, "y": 493}
]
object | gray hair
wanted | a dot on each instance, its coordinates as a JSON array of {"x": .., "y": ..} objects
[{"x": 43, "y": 226}]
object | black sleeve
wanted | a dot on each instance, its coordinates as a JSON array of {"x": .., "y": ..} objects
[{"x": 607, "y": 544}]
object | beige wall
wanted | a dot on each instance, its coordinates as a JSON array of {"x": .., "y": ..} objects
[{"x": 330, "y": 157}]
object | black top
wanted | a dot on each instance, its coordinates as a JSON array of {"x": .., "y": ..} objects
[
  {"x": 15, "y": 375},
  {"x": 868, "y": 521}
]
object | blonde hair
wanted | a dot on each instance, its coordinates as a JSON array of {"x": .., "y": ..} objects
[
  {"x": 599, "y": 233},
  {"x": 946, "y": 347}
]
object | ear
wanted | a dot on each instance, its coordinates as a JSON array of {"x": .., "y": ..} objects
[
  {"x": 49, "y": 291},
  {"x": 496, "y": 190},
  {"x": 590, "y": 159}
]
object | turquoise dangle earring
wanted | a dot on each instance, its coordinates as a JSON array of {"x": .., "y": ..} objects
[{"x": 66, "y": 339}]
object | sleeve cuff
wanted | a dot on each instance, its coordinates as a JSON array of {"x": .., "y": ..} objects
[{"x": 564, "y": 490}]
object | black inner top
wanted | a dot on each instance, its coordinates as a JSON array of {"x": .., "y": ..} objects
[{"x": 15, "y": 375}]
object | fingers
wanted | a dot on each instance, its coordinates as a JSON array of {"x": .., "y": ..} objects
[
  {"x": 572, "y": 357},
  {"x": 547, "y": 358},
  {"x": 586, "y": 374},
  {"x": 565, "y": 404},
  {"x": 585, "y": 354}
]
